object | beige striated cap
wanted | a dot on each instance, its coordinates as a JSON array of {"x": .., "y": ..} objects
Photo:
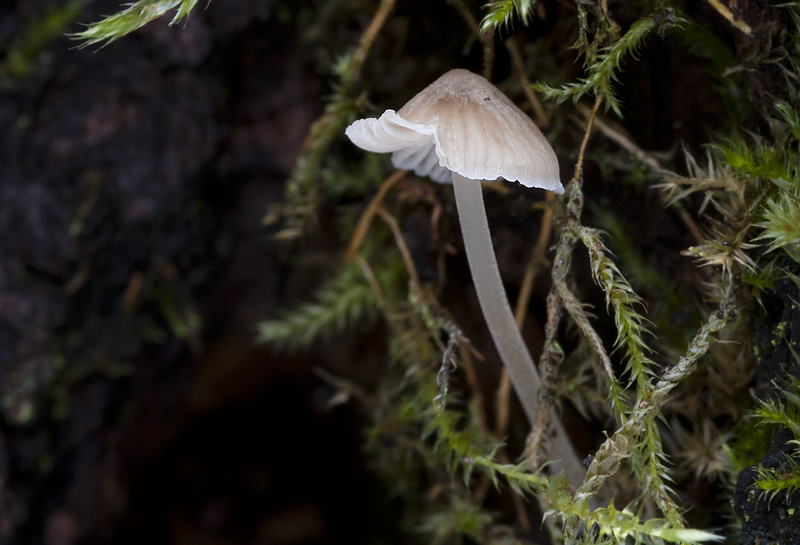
[{"x": 462, "y": 123}]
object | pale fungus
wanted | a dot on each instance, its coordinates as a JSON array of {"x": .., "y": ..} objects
[{"x": 461, "y": 128}]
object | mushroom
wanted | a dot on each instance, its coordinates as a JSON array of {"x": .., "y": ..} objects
[{"x": 461, "y": 128}]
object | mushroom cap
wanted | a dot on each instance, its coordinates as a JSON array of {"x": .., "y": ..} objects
[{"x": 462, "y": 123}]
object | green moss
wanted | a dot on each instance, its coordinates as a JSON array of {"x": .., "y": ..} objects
[
  {"x": 133, "y": 17},
  {"x": 602, "y": 71}
]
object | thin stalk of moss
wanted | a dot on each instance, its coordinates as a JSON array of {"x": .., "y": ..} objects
[
  {"x": 365, "y": 221},
  {"x": 402, "y": 247}
]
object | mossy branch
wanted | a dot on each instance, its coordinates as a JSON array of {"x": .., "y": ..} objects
[
  {"x": 620, "y": 297},
  {"x": 133, "y": 17},
  {"x": 615, "y": 526},
  {"x": 602, "y": 73},
  {"x": 460, "y": 448},
  {"x": 347, "y": 300}
]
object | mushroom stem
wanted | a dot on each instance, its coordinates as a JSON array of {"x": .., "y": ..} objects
[{"x": 500, "y": 320}]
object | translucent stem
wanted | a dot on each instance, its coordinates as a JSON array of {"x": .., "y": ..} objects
[{"x": 500, "y": 320}]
